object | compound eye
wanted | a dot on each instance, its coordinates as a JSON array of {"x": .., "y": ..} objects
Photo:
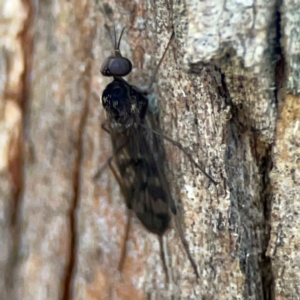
[
  {"x": 116, "y": 66},
  {"x": 104, "y": 69},
  {"x": 120, "y": 66}
]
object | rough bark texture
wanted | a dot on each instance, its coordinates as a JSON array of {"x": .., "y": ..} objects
[{"x": 228, "y": 91}]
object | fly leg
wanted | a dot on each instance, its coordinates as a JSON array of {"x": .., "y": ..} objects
[
  {"x": 188, "y": 155},
  {"x": 125, "y": 239},
  {"x": 185, "y": 245},
  {"x": 129, "y": 217},
  {"x": 173, "y": 209},
  {"x": 160, "y": 61},
  {"x": 163, "y": 257},
  {"x": 146, "y": 92},
  {"x": 109, "y": 160},
  {"x": 99, "y": 171}
]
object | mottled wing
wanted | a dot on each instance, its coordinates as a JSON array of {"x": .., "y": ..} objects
[
  {"x": 151, "y": 204},
  {"x": 144, "y": 185},
  {"x": 122, "y": 159}
]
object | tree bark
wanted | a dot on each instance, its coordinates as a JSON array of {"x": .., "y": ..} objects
[{"x": 227, "y": 90}]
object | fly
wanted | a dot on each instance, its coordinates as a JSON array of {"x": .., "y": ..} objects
[{"x": 138, "y": 153}]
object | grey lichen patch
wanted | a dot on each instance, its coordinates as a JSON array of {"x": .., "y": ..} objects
[{"x": 215, "y": 26}]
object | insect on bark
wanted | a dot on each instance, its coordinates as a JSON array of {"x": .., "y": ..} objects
[{"x": 138, "y": 153}]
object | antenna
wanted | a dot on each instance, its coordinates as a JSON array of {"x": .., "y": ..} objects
[{"x": 119, "y": 42}]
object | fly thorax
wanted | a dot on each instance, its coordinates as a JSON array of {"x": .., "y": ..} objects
[{"x": 116, "y": 101}]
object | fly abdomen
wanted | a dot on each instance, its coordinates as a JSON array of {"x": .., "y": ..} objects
[{"x": 155, "y": 223}]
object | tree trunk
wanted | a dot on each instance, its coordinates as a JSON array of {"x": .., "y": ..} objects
[{"x": 227, "y": 90}]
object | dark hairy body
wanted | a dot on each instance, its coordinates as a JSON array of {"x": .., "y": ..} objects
[{"x": 143, "y": 181}]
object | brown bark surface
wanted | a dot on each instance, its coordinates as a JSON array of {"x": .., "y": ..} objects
[{"x": 227, "y": 90}]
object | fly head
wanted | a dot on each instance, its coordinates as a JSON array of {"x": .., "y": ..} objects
[{"x": 116, "y": 65}]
